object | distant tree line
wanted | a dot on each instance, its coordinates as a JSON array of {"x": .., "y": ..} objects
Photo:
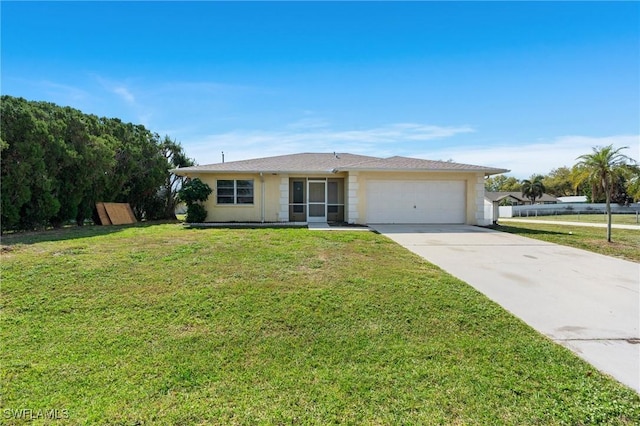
[
  {"x": 578, "y": 180},
  {"x": 57, "y": 162}
]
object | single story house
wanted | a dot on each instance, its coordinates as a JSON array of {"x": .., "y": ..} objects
[
  {"x": 356, "y": 189},
  {"x": 515, "y": 198}
]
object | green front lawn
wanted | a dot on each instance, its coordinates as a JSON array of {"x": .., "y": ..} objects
[
  {"x": 156, "y": 324},
  {"x": 625, "y": 243}
]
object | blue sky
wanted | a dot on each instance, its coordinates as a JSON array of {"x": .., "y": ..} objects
[{"x": 519, "y": 85}]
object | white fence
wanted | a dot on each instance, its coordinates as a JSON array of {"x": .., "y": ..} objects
[{"x": 565, "y": 208}]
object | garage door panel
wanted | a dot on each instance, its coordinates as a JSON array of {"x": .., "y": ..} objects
[{"x": 411, "y": 201}]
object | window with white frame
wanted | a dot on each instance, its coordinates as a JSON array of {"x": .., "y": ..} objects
[{"x": 234, "y": 191}]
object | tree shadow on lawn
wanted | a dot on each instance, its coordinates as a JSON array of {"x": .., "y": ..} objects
[
  {"x": 524, "y": 231},
  {"x": 72, "y": 233}
]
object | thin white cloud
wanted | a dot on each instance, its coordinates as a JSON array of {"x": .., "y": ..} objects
[
  {"x": 539, "y": 157},
  {"x": 180, "y": 104},
  {"x": 311, "y": 136},
  {"x": 201, "y": 87},
  {"x": 120, "y": 89},
  {"x": 125, "y": 94},
  {"x": 138, "y": 108},
  {"x": 308, "y": 123},
  {"x": 47, "y": 90},
  {"x": 64, "y": 91}
]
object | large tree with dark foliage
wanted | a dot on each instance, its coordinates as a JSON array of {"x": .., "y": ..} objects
[
  {"x": 57, "y": 162},
  {"x": 168, "y": 194},
  {"x": 501, "y": 183}
]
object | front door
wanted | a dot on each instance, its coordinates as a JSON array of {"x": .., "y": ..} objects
[{"x": 317, "y": 200}]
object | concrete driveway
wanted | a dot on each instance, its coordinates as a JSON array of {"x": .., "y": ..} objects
[{"x": 588, "y": 302}]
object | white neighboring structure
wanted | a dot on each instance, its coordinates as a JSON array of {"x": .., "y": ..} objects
[
  {"x": 491, "y": 213},
  {"x": 573, "y": 199}
]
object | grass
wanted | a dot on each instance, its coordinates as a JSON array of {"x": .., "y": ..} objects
[
  {"x": 156, "y": 324},
  {"x": 625, "y": 242},
  {"x": 618, "y": 219}
]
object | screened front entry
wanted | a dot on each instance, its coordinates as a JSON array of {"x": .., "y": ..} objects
[{"x": 316, "y": 200}]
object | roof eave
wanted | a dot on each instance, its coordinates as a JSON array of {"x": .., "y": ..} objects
[
  {"x": 185, "y": 171},
  {"x": 485, "y": 171},
  {"x": 496, "y": 172}
]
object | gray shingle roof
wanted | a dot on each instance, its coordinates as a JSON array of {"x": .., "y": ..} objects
[
  {"x": 417, "y": 164},
  {"x": 333, "y": 162}
]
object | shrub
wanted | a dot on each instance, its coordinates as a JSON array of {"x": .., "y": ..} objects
[
  {"x": 193, "y": 193},
  {"x": 196, "y": 213}
]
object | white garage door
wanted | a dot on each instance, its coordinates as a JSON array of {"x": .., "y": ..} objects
[{"x": 412, "y": 201}]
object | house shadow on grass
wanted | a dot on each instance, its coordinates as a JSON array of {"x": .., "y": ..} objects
[{"x": 71, "y": 233}]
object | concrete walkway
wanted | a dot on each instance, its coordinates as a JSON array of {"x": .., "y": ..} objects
[
  {"x": 587, "y": 302},
  {"x": 323, "y": 226},
  {"x": 561, "y": 222}
]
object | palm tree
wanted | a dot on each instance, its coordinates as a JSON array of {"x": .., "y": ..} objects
[
  {"x": 602, "y": 168},
  {"x": 533, "y": 188}
]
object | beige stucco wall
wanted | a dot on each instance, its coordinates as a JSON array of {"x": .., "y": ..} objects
[
  {"x": 474, "y": 191},
  {"x": 276, "y": 198},
  {"x": 274, "y": 206},
  {"x": 263, "y": 209}
]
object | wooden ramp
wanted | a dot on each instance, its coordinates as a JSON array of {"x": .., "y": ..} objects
[
  {"x": 102, "y": 214},
  {"x": 115, "y": 213}
]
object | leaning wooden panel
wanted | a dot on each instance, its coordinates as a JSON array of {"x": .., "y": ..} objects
[
  {"x": 131, "y": 214},
  {"x": 102, "y": 214},
  {"x": 119, "y": 213}
]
